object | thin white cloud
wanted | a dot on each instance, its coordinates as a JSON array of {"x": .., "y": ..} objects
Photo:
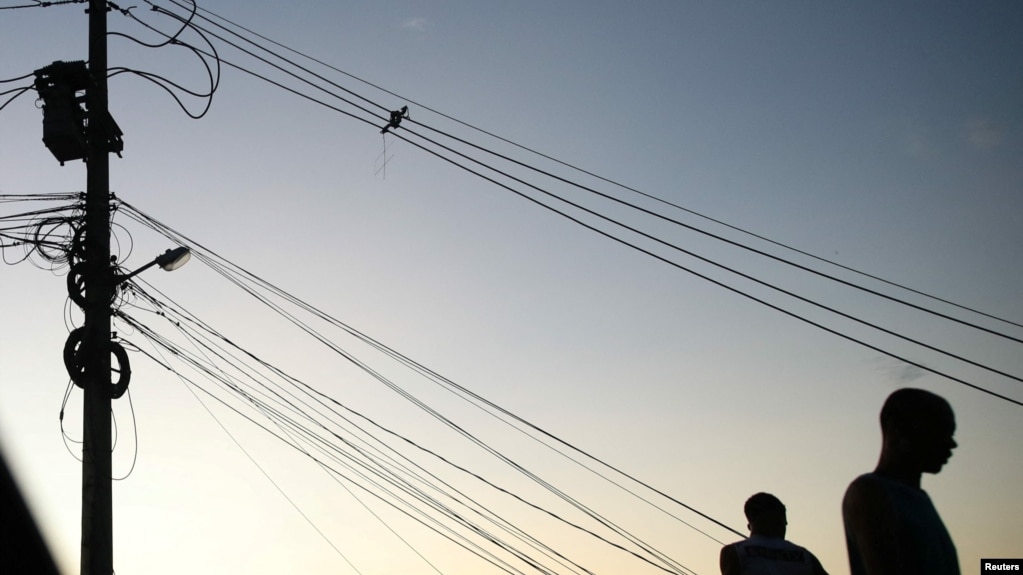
[
  {"x": 983, "y": 134},
  {"x": 418, "y": 24},
  {"x": 899, "y": 372},
  {"x": 915, "y": 141}
]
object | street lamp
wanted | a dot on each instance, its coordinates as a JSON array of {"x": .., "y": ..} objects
[{"x": 169, "y": 261}]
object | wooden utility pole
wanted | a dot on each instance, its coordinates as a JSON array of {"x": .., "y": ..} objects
[{"x": 98, "y": 278}]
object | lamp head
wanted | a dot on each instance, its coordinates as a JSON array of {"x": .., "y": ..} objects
[{"x": 173, "y": 259}]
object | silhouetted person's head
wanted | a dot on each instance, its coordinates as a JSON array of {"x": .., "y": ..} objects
[
  {"x": 766, "y": 515},
  {"x": 917, "y": 428}
]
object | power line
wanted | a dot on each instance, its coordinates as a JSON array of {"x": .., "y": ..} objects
[
  {"x": 448, "y": 534},
  {"x": 518, "y": 467},
  {"x": 40, "y": 4},
  {"x": 602, "y": 232},
  {"x": 202, "y": 257},
  {"x": 173, "y": 40},
  {"x": 177, "y": 237},
  {"x": 411, "y": 511},
  {"x": 272, "y": 53},
  {"x": 206, "y": 255},
  {"x": 700, "y": 230},
  {"x": 16, "y": 91},
  {"x": 615, "y": 183},
  {"x": 737, "y": 244},
  {"x": 240, "y": 68},
  {"x": 263, "y": 60},
  {"x": 726, "y": 286},
  {"x": 737, "y": 272},
  {"x": 268, "y": 477}
]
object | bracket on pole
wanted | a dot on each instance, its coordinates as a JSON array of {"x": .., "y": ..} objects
[{"x": 61, "y": 86}]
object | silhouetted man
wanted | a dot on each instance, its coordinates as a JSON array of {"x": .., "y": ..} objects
[
  {"x": 766, "y": 552},
  {"x": 891, "y": 526}
]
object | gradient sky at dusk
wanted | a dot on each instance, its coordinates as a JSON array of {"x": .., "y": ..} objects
[{"x": 887, "y": 137}]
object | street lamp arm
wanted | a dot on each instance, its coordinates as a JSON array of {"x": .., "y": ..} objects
[{"x": 169, "y": 260}]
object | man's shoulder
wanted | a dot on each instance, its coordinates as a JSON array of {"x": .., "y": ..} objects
[
  {"x": 878, "y": 488},
  {"x": 776, "y": 550},
  {"x": 867, "y": 486},
  {"x": 871, "y": 478},
  {"x": 775, "y": 543}
]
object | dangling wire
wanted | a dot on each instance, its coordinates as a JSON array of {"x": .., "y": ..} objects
[
  {"x": 380, "y": 166},
  {"x": 63, "y": 434},
  {"x": 135, "y": 428}
]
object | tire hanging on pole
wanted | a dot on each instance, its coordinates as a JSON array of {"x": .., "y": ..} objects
[{"x": 74, "y": 363}]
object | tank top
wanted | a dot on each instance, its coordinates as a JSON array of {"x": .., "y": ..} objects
[
  {"x": 761, "y": 555},
  {"x": 925, "y": 546}
]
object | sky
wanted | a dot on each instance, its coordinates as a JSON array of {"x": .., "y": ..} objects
[{"x": 886, "y": 137}]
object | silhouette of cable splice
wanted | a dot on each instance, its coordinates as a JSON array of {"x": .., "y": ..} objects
[{"x": 396, "y": 117}]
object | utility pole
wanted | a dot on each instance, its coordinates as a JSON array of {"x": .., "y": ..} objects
[
  {"x": 79, "y": 127},
  {"x": 98, "y": 278}
]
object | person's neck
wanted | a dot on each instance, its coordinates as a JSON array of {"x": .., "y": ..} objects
[{"x": 902, "y": 473}]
